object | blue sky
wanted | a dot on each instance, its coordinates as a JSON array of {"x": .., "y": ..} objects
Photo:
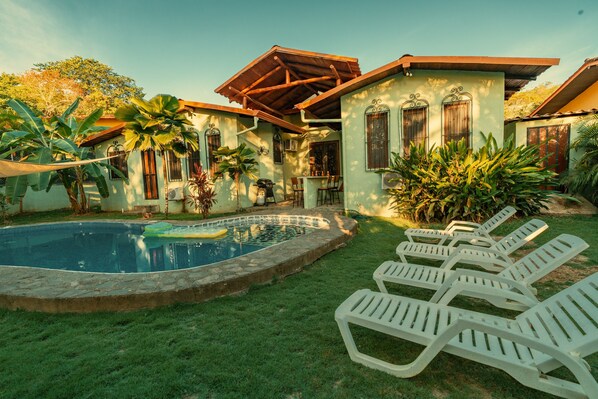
[{"x": 187, "y": 48}]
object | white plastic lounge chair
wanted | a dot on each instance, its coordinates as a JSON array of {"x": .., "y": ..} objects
[
  {"x": 494, "y": 258},
  {"x": 465, "y": 229},
  {"x": 558, "y": 332},
  {"x": 510, "y": 289}
]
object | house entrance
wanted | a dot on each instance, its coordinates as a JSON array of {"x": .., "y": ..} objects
[{"x": 324, "y": 158}]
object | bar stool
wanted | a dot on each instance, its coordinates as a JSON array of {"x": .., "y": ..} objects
[
  {"x": 297, "y": 191},
  {"x": 335, "y": 189},
  {"x": 324, "y": 192}
]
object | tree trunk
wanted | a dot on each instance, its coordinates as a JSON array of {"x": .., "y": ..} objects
[
  {"x": 165, "y": 173},
  {"x": 237, "y": 185},
  {"x": 70, "y": 193},
  {"x": 83, "y": 205}
]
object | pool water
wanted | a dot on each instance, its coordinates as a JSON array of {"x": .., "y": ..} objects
[{"x": 121, "y": 248}]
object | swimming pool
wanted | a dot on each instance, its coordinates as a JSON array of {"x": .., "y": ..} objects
[
  {"x": 58, "y": 290},
  {"x": 109, "y": 247}
]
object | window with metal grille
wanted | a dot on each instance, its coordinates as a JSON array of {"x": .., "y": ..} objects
[
  {"x": 193, "y": 162},
  {"x": 119, "y": 162},
  {"x": 150, "y": 178},
  {"x": 414, "y": 122},
  {"x": 456, "y": 115},
  {"x": 277, "y": 146},
  {"x": 376, "y": 135},
  {"x": 175, "y": 169},
  {"x": 212, "y": 144}
]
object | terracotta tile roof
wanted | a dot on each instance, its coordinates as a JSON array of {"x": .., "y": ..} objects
[
  {"x": 518, "y": 72},
  {"x": 287, "y": 126},
  {"x": 282, "y": 77},
  {"x": 581, "y": 112},
  {"x": 583, "y": 78}
]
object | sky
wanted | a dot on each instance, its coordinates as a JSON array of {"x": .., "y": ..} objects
[{"x": 187, "y": 48}]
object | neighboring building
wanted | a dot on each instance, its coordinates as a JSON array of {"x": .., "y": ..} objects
[
  {"x": 311, "y": 113},
  {"x": 555, "y": 123}
]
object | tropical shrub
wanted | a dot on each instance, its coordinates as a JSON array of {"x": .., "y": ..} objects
[
  {"x": 453, "y": 181},
  {"x": 583, "y": 178},
  {"x": 201, "y": 192}
]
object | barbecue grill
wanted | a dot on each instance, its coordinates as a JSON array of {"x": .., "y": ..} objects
[{"x": 266, "y": 186}]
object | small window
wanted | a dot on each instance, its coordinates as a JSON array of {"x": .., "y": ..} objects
[
  {"x": 376, "y": 135},
  {"x": 193, "y": 162},
  {"x": 456, "y": 114},
  {"x": 212, "y": 144},
  {"x": 119, "y": 162},
  {"x": 414, "y": 122},
  {"x": 277, "y": 146},
  {"x": 175, "y": 170}
]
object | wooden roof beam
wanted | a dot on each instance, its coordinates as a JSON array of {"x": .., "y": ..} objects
[
  {"x": 248, "y": 98},
  {"x": 260, "y": 80},
  {"x": 339, "y": 81},
  {"x": 320, "y": 70},
  {"x": 294, "y": 83},
  {"x": 290, "y": 71}
]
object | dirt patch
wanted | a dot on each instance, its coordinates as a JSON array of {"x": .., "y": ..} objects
[
  {"x": 560, "y": 206},
  {"x": 567, "y": 273}
]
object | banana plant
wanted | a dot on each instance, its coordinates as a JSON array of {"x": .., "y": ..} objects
[
  {"x": 158, "y": 125},
  {"x": 54, "y": 140}
]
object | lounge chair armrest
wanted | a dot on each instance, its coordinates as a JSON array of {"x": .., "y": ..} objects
[
  {"x": 454, "y": 285},
  {"x": 460, "y": 237},
  {"x": 460, "y": 254},
  {"x": 461, "y": 225}
]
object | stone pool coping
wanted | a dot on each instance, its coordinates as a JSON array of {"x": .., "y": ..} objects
[{"x": 59, "y": 291}]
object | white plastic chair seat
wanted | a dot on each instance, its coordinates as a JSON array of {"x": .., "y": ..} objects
[
  {"x": 511, "y": 288},
  {"x": 560, "y": 331},
  {"x": 492, "y": 258},
  {"x": 462, "y": 227}
]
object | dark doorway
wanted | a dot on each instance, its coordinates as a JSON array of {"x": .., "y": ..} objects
[
  {"x": 324, "y": 158},
  {"x": 150, "y": 178}
]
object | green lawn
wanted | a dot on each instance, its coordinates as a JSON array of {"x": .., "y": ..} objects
[{"x": 276, "y": 341}]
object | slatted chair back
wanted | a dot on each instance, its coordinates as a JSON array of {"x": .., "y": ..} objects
[
  {"x": 296, "y": 183},
  {"x": 569, "y": 319},
  {"x": 498, "y": 219},
  {"x": 545, "y": 259},
  {"x": 518, "y": 238}
]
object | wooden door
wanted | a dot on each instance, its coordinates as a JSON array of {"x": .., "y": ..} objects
[
  {"x": 554, "y": 144},
  {"x": 150, "y": 178}
]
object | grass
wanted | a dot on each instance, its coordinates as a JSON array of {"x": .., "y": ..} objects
[{"x": 276, "y": 341}]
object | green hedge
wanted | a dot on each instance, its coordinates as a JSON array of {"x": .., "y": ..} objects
[{"x": 454, "y": 182}]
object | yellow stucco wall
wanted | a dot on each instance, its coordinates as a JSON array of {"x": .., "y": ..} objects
[
  {"x": 587, "y": 100},
  {"x": 575, "y": 122},
  {"x": 363, "y": 188}
]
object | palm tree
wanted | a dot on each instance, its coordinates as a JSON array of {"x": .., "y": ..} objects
[
  {"x": 53, "y": 140},
  {"x": 158, "y": 125},
  {"x": 584, "y": 176},
  {"x": 236, "y": 162}
]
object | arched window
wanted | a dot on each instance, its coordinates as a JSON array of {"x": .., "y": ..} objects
[
  {"x": 376, "y": 135},
  {"x": 213, "y": 142},
  {"x": 414, "y": 122},
  {"x": 457, "y": 122},
  {"x": 119, "y": 162},
  {"x": 277, "y": 146}
]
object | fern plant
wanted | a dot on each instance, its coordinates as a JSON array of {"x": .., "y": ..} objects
[{"x": 453, "y": 181}]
